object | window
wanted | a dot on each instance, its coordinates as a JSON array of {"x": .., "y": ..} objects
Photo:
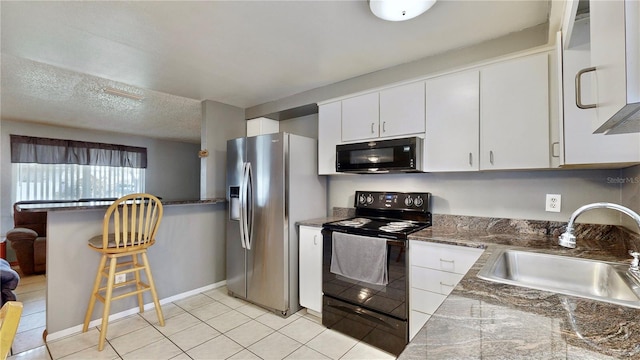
[
  {"x": 53, "y": 169},
  {"x": 72, "y": 182}
]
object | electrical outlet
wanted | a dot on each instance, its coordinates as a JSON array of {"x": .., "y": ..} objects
[
  {"x": 553, "y": 203},
  {"x": 120, "y": 278}
]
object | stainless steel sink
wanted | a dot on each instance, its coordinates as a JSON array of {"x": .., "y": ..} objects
[{"x": 597, "y": 280}]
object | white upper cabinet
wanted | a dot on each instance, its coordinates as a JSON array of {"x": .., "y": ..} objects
[
  {"x": 402, "y": 110},
  {"x": 514, "y": 114},
  {"x": 329, "y": 120},
  {"x": 581, "y": 145},
  {"x": 390, "y": 112},
  {"x": 360, "y": 117},
  {"x": 262, "y": 125},
  {"x": 615, "y": 54},
  {"x": 452, "y": 138}
]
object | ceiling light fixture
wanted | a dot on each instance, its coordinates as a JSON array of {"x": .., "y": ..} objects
[
  {"x": 113, "y": 91},
  {"x": 399, "y": 10}
]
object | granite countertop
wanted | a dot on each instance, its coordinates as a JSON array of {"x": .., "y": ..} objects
[
  {"x": 87, "y": 205},
  {"x": 483, "y": 319}
]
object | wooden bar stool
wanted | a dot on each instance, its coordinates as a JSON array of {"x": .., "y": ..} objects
[
  {"x": 128, "y": 229},
  {"x": 9, "y": 321}
]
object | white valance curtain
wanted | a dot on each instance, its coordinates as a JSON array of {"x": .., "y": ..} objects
[{"x": 28, "y": 149}]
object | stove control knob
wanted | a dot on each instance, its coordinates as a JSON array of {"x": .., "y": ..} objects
[
  {"x": 369, "y": 199},
  {"x": 362, "y": 199},
  {"x": 408, "y": 201},
  {"x": 418, "y": 201}
]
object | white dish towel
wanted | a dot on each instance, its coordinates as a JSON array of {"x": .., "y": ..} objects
[{"x": 360, "y": 258}]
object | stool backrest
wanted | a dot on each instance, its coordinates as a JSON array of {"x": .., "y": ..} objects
[{"x": 131, "y": 221}]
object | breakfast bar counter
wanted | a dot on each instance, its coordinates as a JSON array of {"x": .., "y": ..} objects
[
  {"x": 187, "y": 258},
  {"x": 484, "y": 319}
]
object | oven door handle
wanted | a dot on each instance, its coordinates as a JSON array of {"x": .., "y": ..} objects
[{"x": 362, "y": 313}]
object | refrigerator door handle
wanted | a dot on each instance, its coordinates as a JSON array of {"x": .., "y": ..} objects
[
  {"x": 250, "y": 208},
  {"x": 243, "y": 206}
]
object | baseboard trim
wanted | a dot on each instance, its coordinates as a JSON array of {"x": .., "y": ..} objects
[{"x": 78, "y": 328}]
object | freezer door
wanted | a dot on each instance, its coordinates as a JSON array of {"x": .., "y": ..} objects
[
  {"x": 236, "y": 255},
  {"x": 268, "y": 254}
]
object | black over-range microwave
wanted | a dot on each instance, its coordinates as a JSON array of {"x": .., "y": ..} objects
[{"x": 396, "y": 155}]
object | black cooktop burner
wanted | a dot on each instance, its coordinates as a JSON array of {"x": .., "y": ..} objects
[
  {"x": 380, "y": 227},
  {"x": 386, "y": 214}
]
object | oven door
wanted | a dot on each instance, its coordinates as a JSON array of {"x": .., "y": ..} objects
[
  {"x": 374, "y": 314},
  {"x": 390, "y": 299}
]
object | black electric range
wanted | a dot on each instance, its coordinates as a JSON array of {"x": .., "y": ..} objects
[{"x": 375, "y": 313}]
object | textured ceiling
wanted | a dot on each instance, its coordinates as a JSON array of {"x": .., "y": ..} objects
[{"x": 58, "y": 55}]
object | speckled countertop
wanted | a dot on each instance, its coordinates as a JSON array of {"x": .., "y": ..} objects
[
  {"x": 87, "y": 205},
  {"x": 483, "y": 319}
]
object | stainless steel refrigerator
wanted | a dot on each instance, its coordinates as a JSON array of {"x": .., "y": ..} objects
[{"x": 272, "y": 183}]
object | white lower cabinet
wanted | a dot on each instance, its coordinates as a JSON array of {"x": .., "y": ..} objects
[
  {"x": 310, "y": 268},
  {"x": 435, "y": 269}
]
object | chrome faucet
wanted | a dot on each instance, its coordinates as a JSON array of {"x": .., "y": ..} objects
[{"x": 568, "y": 239}]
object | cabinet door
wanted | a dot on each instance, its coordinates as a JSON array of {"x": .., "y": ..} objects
[
  {"x": 581, "y": 146},
  {"x": 310, "y": 268},
  {"x": 262, "y": 125},
  {"x": 452, "y": 138},
  {"x": 614, "y": 31},
  {"x": 329, "y": 120},
  {"x": 514, "y": 114},
  {"x": 360, "y": 117},
  {"x": 402, "y": 110}
]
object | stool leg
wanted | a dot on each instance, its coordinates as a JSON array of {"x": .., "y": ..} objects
[
  {"x": 107, "y": 302},
  {"x": 138, "y": 283},
  {"x": 92, "y": 299},
  {"x": 152, "y": 285}
]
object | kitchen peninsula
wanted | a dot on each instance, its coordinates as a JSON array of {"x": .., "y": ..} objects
[{"x": 188, "y": 257}]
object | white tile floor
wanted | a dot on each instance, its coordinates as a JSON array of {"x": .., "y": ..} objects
[{"x": 210, "y": 325}]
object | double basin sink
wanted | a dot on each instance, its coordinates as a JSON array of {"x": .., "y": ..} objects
[{"x": 596, "y": 280}]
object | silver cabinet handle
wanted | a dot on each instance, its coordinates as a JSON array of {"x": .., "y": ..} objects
[
  {"x": 579, "y": 103},
  {"x": 384, "y": 127},
  {"x": 449, "y": 261},
  {"x": 554, "y": 146},
  {"x": 470, "y": 159},
  {"x": 491, "y": 156},
  {"x": 372, "y": 127},
  {"x": 315, "y": 239},
  {"x": 443, "y": 284}
]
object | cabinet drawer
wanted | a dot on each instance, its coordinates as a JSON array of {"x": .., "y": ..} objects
[
  {"x": 451, "y": 258},
  {"x": 425, "y": 301},
  {"x": 440, "y": 282}
]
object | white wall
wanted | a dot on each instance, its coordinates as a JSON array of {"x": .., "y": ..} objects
[
  {"x": 518, "y": 41},
  {"x": 630, "y": 194},
  {"x": 303, "y": 126},
  {"x": 517, "y": 194},
  {"x": 220, "y": 122},
  {"x": 173, "y": 168}
]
